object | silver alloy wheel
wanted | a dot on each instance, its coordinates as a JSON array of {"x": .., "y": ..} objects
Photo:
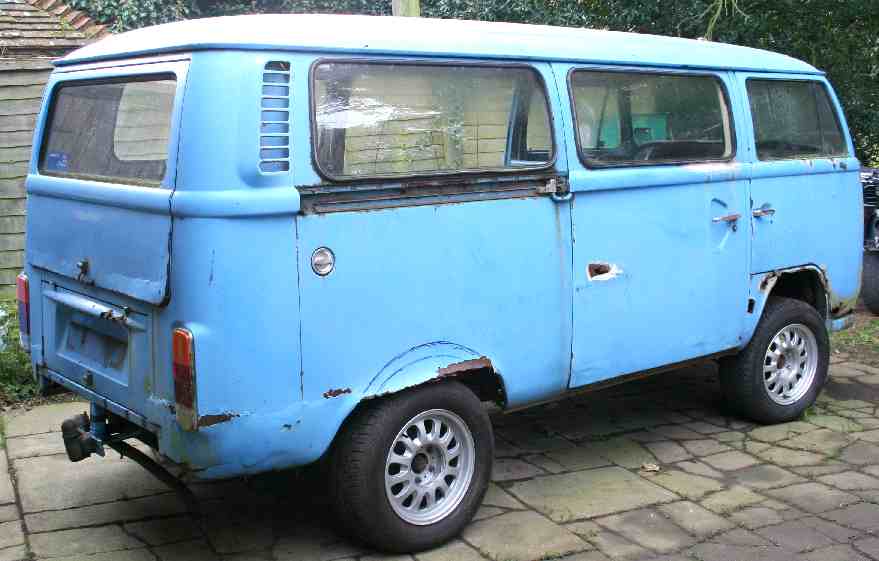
[
  {"x": 790, "y": 364},
  {"x": 429, "y": 467}
]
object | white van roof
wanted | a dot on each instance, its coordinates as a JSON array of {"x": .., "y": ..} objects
[{"x": 381, "y": 35}]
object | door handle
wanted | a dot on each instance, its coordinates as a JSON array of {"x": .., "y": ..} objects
[
  {"x": 764, "y": 211},
  {"x": 731, "y": 218}
]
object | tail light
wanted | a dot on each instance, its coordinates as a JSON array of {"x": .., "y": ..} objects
[
  {"x": 186, "y": 405},
  {"x": 22, "y": 293}
]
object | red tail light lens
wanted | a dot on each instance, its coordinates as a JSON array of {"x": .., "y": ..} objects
[
  {"x": 22, "y": 292},
  {"x": 183, "y": 347}
]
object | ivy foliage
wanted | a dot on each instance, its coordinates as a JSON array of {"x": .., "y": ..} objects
[
  {"x": 122, "y": 15},
  {"x": 839, "y": 36}
]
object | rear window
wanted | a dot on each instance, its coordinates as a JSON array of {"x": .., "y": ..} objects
[
  {"x": 384, "y": 119},
  {"x": 110, "y": 131},
  {"x": 794, "y": 120},
  {"x": 631, "y": 118}
]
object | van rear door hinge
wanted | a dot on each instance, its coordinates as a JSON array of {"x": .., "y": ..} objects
[{"x": 557, "y": 187}]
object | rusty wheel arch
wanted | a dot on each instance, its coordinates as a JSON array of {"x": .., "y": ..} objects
[
  {"x": 807, "y": 283},
  {"x": 480, "y": 376},
  {"x": 434, "y": 362}
]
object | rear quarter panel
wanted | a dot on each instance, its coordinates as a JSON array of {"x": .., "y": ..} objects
[{"x": 233, "y": 280}]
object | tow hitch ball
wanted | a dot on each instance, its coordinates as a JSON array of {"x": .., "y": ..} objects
[{"x": 79, "y": 440}]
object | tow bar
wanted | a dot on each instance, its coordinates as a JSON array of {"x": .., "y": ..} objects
[
  {"x": 84, "y": 436},
  {"x": 79, "y": 441}
]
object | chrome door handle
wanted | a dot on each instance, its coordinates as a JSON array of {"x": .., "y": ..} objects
[
  {"x": 764, "y": 211},
  {"x": 734, "y": 217}
]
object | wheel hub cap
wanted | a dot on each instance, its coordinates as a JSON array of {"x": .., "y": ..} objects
[
  {"x": 790, "y": 364},
  {"x": 429, "y": 467}
]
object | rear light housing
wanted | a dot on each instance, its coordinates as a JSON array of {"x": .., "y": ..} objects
[
  {"x": 185, "y": 395},
  {"x": 22, "y": 293}
]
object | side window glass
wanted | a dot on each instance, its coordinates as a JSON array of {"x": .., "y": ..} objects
[
  {"x": 785, "y": 118},
  {"x": 793, "y": 120},
  {"x": 630, "y": 118},
  {"x": 384, "y": 119},
  {"x": 598, "y": 117}
]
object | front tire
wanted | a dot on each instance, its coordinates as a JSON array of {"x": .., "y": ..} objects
[
  {"x": 779, "y": 373},
  {"x": 409, "y": 471},
  {"x": 870, "y": 289}
]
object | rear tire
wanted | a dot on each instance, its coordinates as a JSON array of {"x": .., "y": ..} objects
[
  {"x": 409, "y": 471},
  {"x": 870, "y": 289},
  {"x": 779, "y": 373}
]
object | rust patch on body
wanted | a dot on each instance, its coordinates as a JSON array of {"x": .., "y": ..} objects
[
  {"x": 596, "y": 269},
  {"x": 333, "y": 392},
  {"x": 768, "y": 281},
  {"x": 113, "y": 316},
  {"x": 463, "y": 366},
  {"x": 601, "y": 271},
  {"x": 210, "y": 420}
]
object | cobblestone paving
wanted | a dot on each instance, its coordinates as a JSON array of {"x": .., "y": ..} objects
[{"x": 569, "y": 482}]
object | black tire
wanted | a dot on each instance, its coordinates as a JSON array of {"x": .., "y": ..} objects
[
  {"x": 742, "y": 376},
  {"x": 358, "y": 467},
  {"x": 870, "y": 284}
]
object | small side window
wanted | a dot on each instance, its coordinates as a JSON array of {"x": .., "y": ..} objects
[
  {"x": 631, "y": 118},
  {"x": 404, "y": 119},
  {"x": 794, "y": 120}
]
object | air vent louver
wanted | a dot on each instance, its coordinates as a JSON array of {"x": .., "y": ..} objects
[{"x": 274, "y": 134}]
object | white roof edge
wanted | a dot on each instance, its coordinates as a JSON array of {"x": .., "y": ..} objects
[{"x": 433, "y": 37}]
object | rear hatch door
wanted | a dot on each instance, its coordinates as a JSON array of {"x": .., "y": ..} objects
[
  {"x": 99, "y": 222},
  {"x": 99, "y": 202}
]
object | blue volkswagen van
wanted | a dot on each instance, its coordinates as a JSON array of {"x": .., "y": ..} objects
[{"x": 256, "y": 242}]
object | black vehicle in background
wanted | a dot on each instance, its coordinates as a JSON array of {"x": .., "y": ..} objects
[{"x": 870, "y": 289}]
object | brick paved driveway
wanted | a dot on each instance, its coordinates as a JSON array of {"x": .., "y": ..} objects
[{"x": 569, "y": 482}]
